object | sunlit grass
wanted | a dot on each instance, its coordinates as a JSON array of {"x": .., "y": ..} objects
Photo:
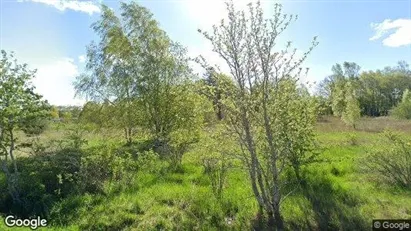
[{"x": 340, "y": 193}]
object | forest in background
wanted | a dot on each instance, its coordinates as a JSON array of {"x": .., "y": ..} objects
[{"x": 157, "y": 147}]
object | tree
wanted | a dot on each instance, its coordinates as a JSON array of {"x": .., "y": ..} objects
[
  {"x": 272, "y": 118},
  {"x": 338, "y": 102},
  {"x": 142, "y": 75},
  {"x": 377, "y": 91},
  {"x": 216, "y": 87},
  {"x": 54, "y": 112},
  {"x": 111, "y": 70},
  {"x": 403, "y": 109},
  {"x": 66, "y": 116},
  {"x": 336, "y": 84},
  {"x": 352, "y": 110},
  {"x": 20, "y": 108}
]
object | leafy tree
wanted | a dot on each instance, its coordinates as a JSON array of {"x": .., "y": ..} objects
[
  {"x": 272, "y": 118},
  {"x": 403, "y": 109},
  {"x": 20, "y": 107},
  {"x": 335, "y": 85},
  {"x": 142, "y": 75},
  {"x": 216, "y": 87},
  {"x": 352, "y": 110},
  {"x": 381, "y": 90},
  {"x": 377, "y": 91},
  {"x": 54, "y": 112},
  {"x": 66, "y": 116},
  {"x": 111, "y": 70},
  {"x": 97, "y": 114},
  {"x": 338, "y": 97}
]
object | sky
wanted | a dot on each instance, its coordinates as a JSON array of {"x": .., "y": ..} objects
[{"x": 51, "y": 35}]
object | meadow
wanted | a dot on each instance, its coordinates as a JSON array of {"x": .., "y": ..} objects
[
  {"x": 156, "y": 145},
  {"x": 340, "y": 193}
]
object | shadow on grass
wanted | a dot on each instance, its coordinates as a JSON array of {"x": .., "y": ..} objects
[
  {"x": 333, "y": 207},
  {"x": 41, "y": 183}
]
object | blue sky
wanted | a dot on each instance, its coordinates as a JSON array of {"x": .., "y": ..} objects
[{"x": 51, "y": 35}]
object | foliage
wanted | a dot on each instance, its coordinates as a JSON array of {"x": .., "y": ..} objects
[
  {"x": 271, "y": 115},
  {"x": 353, "y": 139},
  {"x": 54, "y": 112},
  {"x": 143, "y": 79},
  {"x": 216, "y": 87},
  {"x": 43, "y": 179},
  {"x": 351, "y": 113},
  {"x": 232, "y": 151},
  {"x": 337, "y": 85},
  {"x": 20, "y": 108},
  {"x": 338, "y": 98},
  {"x": 403, "y": 109},
  {"x": 217, "y": 150},
  {"x": 324, "y": 106},
  {"x": 392, "y": 162},
  {"x": 66, "y": 116},
  {"x": 377, "y": 91},
  {"x": 35, "y": 126}
]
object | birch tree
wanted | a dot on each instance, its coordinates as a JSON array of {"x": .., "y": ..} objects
[{"x": 352, "y": 111}]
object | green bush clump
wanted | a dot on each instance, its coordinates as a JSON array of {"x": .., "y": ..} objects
[
  {"x": 43, "y": 179},
  {"x": 392, "y": 162}
]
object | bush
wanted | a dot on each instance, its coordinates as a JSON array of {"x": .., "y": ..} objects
[
  {"x": 103, "y": 163},
  {"x": 35, "y": 127},
  {"x": 392, "y": 162},
  {"x": 44, "y": 179}
]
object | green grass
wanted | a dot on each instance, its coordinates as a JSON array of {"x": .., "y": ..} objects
[{"x": 340, "y": 195}]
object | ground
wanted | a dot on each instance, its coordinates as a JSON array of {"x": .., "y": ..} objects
[{"x": 340, "y": 193}]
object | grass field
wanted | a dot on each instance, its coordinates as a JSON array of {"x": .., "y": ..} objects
[{"x": 340, "y": 193}]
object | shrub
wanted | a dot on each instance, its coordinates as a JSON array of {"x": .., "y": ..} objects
[
  {"x": 150, "y": 162},
  {"x": 44, "y": 179},
  {"x": 35, "y": 127},
  {"x": 352, "y": 139},
  {"x": 103, "y": 163},
  {"x": 216, "y": 169},
  {"x": 392, "y": 162}
]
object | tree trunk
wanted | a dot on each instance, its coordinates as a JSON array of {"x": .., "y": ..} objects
[
  {"x": 11, "y": 152},
  {"x": 126, "y": 134},
  {"x": 12, "y": 178},
  {"x": 279, "y": 223},
  {"x": 129, "y": 136}
]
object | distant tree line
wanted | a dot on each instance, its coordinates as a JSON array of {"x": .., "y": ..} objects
[
  {"x": 376, "y": 92},
  {"x": 65, "y": 113}
]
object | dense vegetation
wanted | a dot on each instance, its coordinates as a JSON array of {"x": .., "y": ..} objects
[{"x": 157, "y": 148}]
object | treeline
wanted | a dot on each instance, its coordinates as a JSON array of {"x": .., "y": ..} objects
[
  {"x": 377, "y": 92},
  {"x": 65, "y": 113}
]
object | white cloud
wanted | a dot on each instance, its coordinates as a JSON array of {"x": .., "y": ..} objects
[
  {"x": 82, "y": 58},
  {"x": 89, "y": 7},
  {"x": 400, "y": 30},
  {"x": 54, "y": 81}
]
